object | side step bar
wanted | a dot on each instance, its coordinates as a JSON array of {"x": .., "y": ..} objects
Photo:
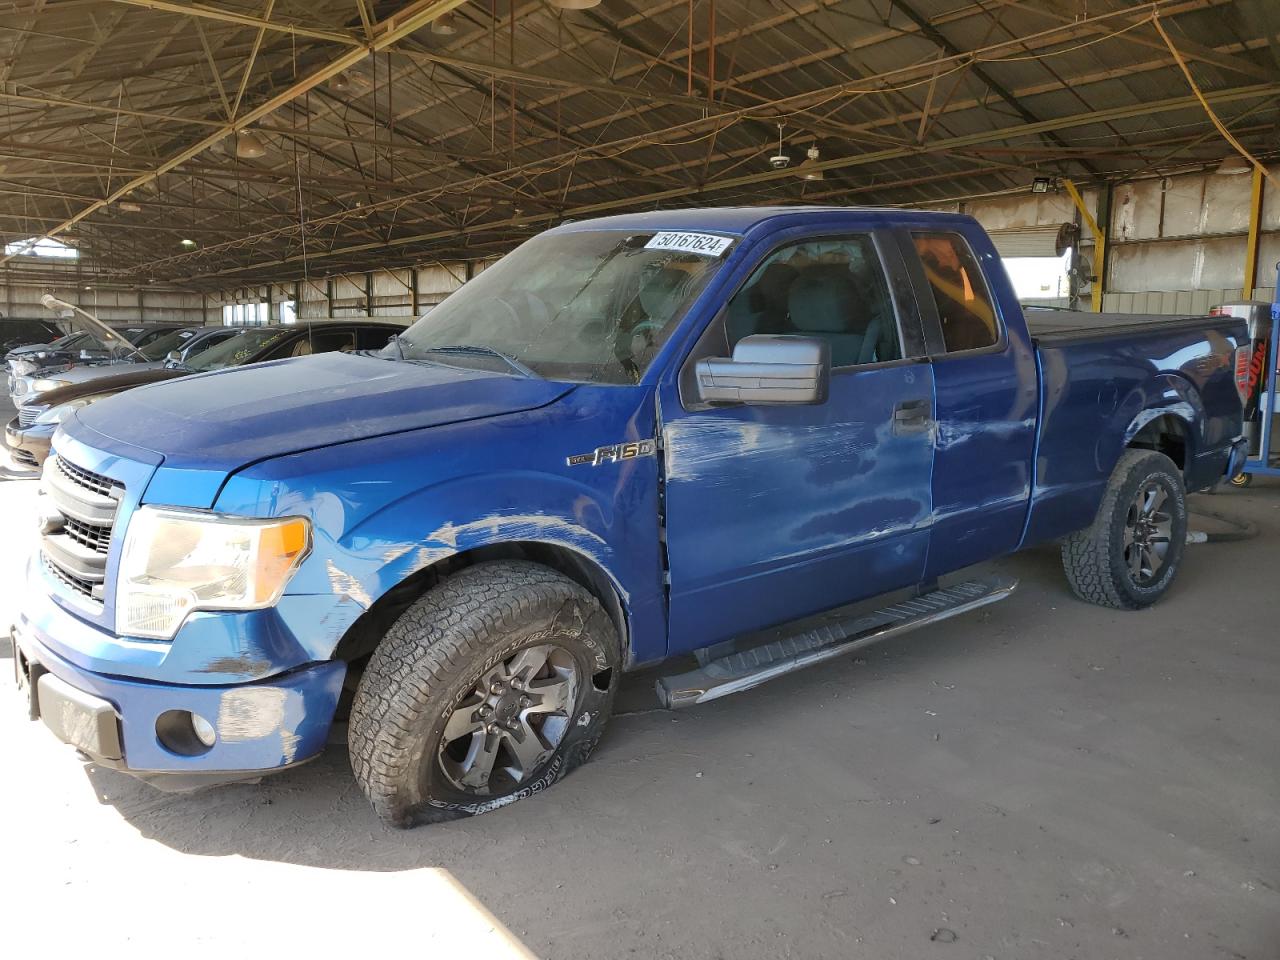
[{"x": 750, "y": 668}]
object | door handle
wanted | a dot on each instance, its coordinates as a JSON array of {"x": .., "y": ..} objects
[{"x": 911, "y": 416}]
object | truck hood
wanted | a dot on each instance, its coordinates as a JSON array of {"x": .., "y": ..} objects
[{"x": 223, "y": 421}]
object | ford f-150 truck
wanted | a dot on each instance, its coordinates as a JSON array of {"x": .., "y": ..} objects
[{"x": 632, "y": 438}]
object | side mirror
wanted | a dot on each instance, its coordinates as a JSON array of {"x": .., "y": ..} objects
[
  {"x": 768, "y": 369},
  {"x": 173, "y": 357}
]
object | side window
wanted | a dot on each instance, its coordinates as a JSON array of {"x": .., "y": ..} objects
[
  {"x": 373, "y": 338},
  {"x": 327, "y": 341},
  {"x": 830, "y": 288},
  {"x": 964, "y": 305}
]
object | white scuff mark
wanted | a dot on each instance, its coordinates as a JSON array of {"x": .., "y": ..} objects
[
  {"x": 289, "y": 744},
  {"x": 701, "y": 447},
  {"x": 392, "y": 554},
  {"x": 250, "y": 713},
  {"x": 345, "y": 585},
  {"x": 516, "y": 526}
]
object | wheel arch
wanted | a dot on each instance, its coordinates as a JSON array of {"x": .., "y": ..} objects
[
  {"x": 1169, "y": 407},
  {"x": 362, "y": 637}
]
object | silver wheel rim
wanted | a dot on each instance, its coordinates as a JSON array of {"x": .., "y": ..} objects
[
  {"x": 511, "y": 721},
  {"x": 1147, "y": 533}
]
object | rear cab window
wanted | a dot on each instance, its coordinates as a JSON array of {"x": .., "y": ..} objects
[{"x": 966, "y": 312}]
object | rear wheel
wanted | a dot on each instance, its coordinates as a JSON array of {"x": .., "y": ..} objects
[
  {"x": 487, "y": 690},
  {"x": 1129, "y": 556}
]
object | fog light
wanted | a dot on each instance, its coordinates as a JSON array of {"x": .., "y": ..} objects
[
  {"x": 203, "y": 730},
  {"x": 184, "y": 733}
]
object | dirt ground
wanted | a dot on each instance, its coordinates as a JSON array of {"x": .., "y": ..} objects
[{"x": 1042, "y": 779}]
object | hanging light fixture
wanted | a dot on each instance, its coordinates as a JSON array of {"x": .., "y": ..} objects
[
  {"x": 249, "y": 145},
  {"x": 444, "y": 25},
  {"x": 574, "y": 4},
  {"x": 808, "y": 169},
  {"x": 1233, "y": 166},
  {"x": 340, "y": 83},
  {"x": 187, "y": 243},
  {"x": 780, "y": 160},
  {"x": 128, "y": 206}
]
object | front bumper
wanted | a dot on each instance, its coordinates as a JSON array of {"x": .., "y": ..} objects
[
  {"x": 28, "y": 446},
  {"x": 261, "y": 727}
]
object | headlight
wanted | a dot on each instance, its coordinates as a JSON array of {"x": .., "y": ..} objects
[
  {"x": 41, "y": 386},
  {"x": 176, "y": 561},
  {"x": 61, "y": 411}
]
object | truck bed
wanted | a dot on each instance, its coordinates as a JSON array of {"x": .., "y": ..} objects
[{"x": 1055, "y": 327}]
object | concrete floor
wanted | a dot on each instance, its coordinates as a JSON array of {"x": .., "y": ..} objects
[{"x": 1043, "y": 779}]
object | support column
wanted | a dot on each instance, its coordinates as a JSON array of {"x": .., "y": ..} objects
[
  {"x": 413, "y": 292},
  {"x": 1099, "y": 241},
  {"x": 1251, "y": 248}
]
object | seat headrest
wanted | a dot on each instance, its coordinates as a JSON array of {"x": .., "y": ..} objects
[
  {"x": 661, "y": 291},
  {"x": 770, "y": 291},
  {"x": 822, "y": 300}
]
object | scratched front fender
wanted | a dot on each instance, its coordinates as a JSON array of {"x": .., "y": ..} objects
[{"x": 385, "y": 508}]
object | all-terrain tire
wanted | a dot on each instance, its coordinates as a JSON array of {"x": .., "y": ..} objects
[
  {"x": 431, "y": 660},
  {"x": 1096, "y": 559}
]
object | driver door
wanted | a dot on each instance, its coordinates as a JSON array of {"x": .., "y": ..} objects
[{"x": 777, "y": 511}]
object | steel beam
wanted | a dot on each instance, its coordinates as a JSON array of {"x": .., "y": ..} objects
[
  {"x": 641, "y": 201},
  {"x": 389, "y": 31},
  {"x": 1251, "y": 245}
]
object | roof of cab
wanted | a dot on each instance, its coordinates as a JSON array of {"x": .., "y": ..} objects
[{"x": 739, "y": 220}]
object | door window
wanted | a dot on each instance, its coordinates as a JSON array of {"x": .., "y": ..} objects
[
  {"x": 834, "y": 289},
  {"x": 965, "y": 312}
]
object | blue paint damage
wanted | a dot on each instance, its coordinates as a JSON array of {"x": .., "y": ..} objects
[{"x": 747, "y": 517}]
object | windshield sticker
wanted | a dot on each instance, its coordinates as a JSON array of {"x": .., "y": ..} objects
[{"x": 706, "y": 244}]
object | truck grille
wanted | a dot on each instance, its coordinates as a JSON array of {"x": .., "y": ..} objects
[
  {"x": 76, "y": 534},
  {"x": 27, "y": 415}
]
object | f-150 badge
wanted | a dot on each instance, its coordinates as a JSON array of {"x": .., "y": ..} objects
[{"x": 615, "y": 453}]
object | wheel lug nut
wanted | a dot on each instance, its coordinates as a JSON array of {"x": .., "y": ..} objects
[
  {"x": 485, "y": 710},
  {"x": 525, "y": 701}
]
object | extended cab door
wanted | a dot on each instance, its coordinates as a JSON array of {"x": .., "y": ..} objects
[
  {"x": 986, "y": 389},
  {"x": 777, "y": 511}
]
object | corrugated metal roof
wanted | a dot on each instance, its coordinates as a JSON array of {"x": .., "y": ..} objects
[{"x": 457, "y": 145}]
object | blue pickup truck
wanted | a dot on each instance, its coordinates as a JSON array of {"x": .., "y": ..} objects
[{"x": 633, "y": 439}]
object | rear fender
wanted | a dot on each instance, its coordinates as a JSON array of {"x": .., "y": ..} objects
[{"x": 1165, "y": 395}]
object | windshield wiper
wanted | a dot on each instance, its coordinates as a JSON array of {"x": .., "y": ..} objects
[{"x": 486, "y": 351}]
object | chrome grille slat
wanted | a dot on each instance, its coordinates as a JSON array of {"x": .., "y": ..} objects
[
  {"x": 74, "y": 549},
  {"x": 27, "y": 415}
]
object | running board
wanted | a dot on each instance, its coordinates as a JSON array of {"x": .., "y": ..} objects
[{"x": 750, "y": 668}]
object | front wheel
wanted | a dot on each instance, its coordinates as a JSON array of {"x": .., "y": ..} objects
[
  {"x": 1129, "y": 556},
  {"x": 487, "y": 690},
  {"x": 1241, "y": 480}
]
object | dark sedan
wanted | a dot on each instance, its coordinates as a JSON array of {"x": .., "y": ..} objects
[{"x": 29, "y": 434}]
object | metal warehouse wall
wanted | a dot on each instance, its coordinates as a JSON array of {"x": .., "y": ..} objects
[
  {"x": 130, "y": 304},
  {"x": 1175, "y": 244},
  {"x": 402, "y": 293}
]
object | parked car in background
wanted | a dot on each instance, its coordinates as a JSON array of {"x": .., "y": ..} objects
[
  {"x": 175, "y": 347},
  {"x": 28, "y": 435},
  {"x": 17, "y": 332},
  {"x": 103, "y": 344}
]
